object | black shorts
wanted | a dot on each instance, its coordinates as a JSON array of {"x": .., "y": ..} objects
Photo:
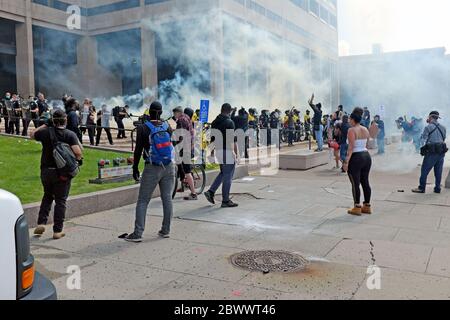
[{"x": 184, "y": 169}]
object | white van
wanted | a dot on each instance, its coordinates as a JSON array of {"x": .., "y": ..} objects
[{"x": 18, "y": 278}]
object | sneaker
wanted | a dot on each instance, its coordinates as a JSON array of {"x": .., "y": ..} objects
[
  {"x": 437, "y": 191},
  {"x": 133, "y": 238},
  {"x": 210, "y": 197},
  {"x": 163, "y": 234},
  {"x": 58, "y": 235},
  {"x": 39, "y": 231},
  {"x": 418, "y": 190},
  {"x": 191, "y": 197},
  {"x": 229, "y": 204}
]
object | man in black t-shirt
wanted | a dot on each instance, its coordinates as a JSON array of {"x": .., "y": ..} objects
[
  {"x": 119, "y": 114},
  {"x": 56, "y": 187},
  {"x": 227, "y": 155}
]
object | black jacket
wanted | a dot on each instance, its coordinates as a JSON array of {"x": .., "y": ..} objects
[{"x": 223, "y": 123}]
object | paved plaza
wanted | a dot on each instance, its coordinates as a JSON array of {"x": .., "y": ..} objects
[{"x": 408, "y": 237}]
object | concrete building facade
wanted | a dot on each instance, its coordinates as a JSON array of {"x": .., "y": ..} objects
[{"x": 116, "y": 51}]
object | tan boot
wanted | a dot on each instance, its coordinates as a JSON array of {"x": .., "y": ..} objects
[
  {"x": 367, "y": 208},
  {"x": 356, "y": 211},
  {"x": 39, "y": 231},
  {"x": 58, "y": 235}
]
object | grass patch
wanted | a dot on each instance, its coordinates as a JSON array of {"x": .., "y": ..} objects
[{"x": 20, "y": 169}]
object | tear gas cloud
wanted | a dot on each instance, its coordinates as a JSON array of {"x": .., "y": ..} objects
[{"x": 260, "y": 69}]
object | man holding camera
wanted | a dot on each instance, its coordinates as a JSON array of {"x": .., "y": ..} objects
[
  {"x": 433, "y": 150},
  {"x": 56, "y": 186}
]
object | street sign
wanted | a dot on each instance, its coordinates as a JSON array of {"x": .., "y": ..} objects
[
  {"x": 382, "y": 112},
  {"x": 204, "y": 111}
]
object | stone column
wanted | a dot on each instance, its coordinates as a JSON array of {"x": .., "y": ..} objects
[
  {"x": 216, "y": 60},
  {"x": 87, "y": 61},
  {"x": 148, "y": 57},
  {"x": 25, "y": 55}
]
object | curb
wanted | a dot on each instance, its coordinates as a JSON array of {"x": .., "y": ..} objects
[{"x": 109, "y": 199}]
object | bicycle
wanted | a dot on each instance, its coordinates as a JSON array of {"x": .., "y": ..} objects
[{"x": 199, "y": 175}]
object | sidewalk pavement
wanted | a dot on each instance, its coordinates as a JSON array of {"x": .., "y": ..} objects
[{"x": 302, "y": 212}]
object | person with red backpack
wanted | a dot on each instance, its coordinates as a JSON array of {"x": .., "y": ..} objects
[{"x": 153, "y": 142}]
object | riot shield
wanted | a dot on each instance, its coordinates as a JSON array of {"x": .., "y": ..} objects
[
  {"x": 106, "y": 118},
  {"x": 9, "y": 109},
  {"x": 26, "y": 112},
  {"x": 84, "y": 116}
]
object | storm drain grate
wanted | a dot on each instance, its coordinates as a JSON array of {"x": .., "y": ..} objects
[{"x": 269, "y": 261}]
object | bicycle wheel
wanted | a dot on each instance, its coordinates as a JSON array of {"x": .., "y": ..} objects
[{"x": 199, "y": 175}]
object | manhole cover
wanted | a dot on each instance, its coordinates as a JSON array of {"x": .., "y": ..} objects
[{"x": 269, "y": 261}]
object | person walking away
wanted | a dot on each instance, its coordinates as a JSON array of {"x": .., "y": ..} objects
[
  {"x": 359, "y": 163},
  {"x": 433, "y": 150},
  {"x": 317, "y": 123},
  {"x": 381, "y": 134},
  {"x": 227, "y": 154},
  {"x": 56, "y": 186},
  {"x": 184, "y": 122},
  {"x": 103, "y": 123},
  {"x": 153, "y": 142}
]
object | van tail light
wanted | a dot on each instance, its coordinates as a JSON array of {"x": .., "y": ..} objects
[
  {"x": 24, "y": 259},
  {"x": 28, "y": 278}
]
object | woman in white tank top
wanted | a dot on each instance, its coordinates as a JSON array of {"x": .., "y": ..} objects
[{"x": 359, "y": 163}]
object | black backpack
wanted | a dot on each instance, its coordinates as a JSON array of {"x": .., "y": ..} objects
[{"x": 66, "y": 162}]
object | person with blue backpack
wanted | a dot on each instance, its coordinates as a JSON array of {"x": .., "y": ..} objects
[{"x": 153, "y": 142}]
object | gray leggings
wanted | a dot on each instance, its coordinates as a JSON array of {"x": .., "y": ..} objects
[{"x": 151, "y": 178}]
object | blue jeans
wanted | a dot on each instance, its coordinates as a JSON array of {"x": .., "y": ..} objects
[
  {"x": 343, "y": 152},
  {"x": 431, "y": 161},
  {"x": 380, "y": 143},
  {"x": 225, "y": 179},
  {"x": 291, "y": 136},
  {"x": 319, "y": 138}
]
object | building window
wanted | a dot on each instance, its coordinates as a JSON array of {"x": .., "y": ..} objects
[
  {"x": 314, "y": 7},
  {"x": 252, "y": 5},
  {"x": 324, "y": 14},
  {"x": 333, "y": 21},
  {"x": 301, "y": 3}
]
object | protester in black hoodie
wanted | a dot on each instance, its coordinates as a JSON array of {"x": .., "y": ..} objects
[
  {"x": 241, "y": 122},
  {"x": 226, "y": 154}
]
